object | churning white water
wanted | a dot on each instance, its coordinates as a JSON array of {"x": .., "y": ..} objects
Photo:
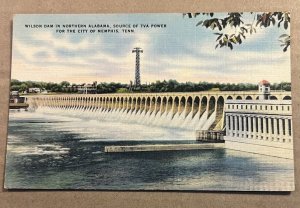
[
  {"x": 114, "y": 125},
  {"x": 156, "y": 119}
]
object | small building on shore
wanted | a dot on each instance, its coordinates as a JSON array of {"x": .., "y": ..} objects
[
  {"x": 82, "y": 88},
  {"x": 16, "y": 101},
  {"x": 87, "y": 88},
  {"x": 34, "y": 90}
]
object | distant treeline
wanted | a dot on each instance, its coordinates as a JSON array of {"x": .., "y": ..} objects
[{"x": 158, "y": 86}]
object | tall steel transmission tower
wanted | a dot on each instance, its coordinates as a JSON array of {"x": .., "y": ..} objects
[{"x": 137, "y": 81}]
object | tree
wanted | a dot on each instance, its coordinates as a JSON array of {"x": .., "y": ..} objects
[
  {"x": 65, "y": 84},
  {"x": 15, "y": 87},
  {"x": 242, "y": 28},
  {"x": 15, "y": 82},
  {"x": 122, "y": 90},
  {"x": 23, "y": 87}
]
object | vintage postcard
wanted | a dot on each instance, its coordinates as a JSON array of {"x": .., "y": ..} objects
[{"x": 193, "y": 101}]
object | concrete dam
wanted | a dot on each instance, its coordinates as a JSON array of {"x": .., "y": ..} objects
[{"x": 189, "y": 111}]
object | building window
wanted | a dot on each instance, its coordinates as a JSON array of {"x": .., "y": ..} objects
[
  {"x": 250, "y": 107},
  {"x": 266, "y": 107},
  {"x": 271, "y": 107},
  {"x": 251, "y": 123},
  {"x": 232, "y": 106},
  {"x": 267, "y": 125},
  {"x": 290, "y": 127},
  {"x": 288, "y": 108},
  {"x": 242, "y": 121},
  {"x": 228, "y": 106},
  {"x": 272, "y": 125},
  {"x": 262, "y": 125},
  {"x": 256, "y": 124},
  {"x": 233, "y": 123},
  {"x": 237, "y": 106},
  {"x": 283, "y": 126},
  {"x": 241, "y": 106},
  {"x": 282, "y": 107},
  {"x": 260, "y": 107},
  {"x": 278, "y": 130},
  {"x": 277, "y": 108}
]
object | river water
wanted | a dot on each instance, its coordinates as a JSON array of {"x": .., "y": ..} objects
[{"x": 46, "y": 151}]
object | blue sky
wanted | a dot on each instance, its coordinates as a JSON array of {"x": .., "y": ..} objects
[{"x": 180, "y": 51}]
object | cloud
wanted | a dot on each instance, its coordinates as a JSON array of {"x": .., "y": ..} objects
[
  {"x": 63, "y": 42},
  {"x": 184, "y": 53}
]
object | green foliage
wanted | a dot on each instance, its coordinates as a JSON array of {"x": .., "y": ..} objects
[
  {"x": 65, "y": 84},
  {"x": 174, "y": 86},
  {"x": 286, "y": 86},
  {"x": 122, "y": 90},
  {"x": 17, "y": 85},
  {"x": 158, "y": 86},
  {"x": 242, "y": 29},
  {"x": 110, "y": 87},
  {"x": 285, "y": 41}
]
